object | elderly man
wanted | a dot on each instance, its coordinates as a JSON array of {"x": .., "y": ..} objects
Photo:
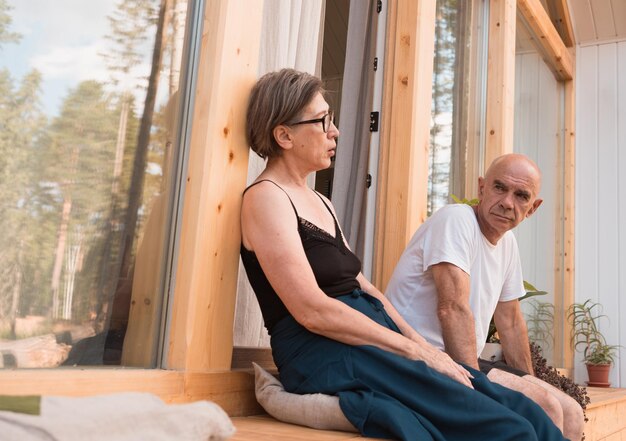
[{"x": 462, "y": 267}]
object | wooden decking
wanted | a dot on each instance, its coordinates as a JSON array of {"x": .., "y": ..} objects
[
  {"x": 606, "y": 413},
  {"x": 266, "y": 428}
]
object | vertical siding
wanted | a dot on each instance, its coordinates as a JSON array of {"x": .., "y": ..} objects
[
  {"x": 600, "y": 209},
  {"x": 537, "y": 105},
  {"x": 621, "y": 239},
  {"x": 621, "y": 188}
]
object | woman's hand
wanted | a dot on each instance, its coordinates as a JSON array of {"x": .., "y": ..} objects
[{"x": 442, "y": 363}]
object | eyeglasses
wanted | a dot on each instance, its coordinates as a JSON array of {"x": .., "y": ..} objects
[{"x": 325, "y": 120}]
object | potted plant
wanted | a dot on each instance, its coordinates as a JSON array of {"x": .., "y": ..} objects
[{"x": 597, "y": 354}]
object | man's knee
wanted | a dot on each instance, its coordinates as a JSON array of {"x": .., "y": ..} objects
[
  {"x": 548, "y": 402},
  {"x": 573, "y": 417}
]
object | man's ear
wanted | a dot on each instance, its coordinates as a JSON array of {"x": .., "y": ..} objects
[
  {"x": 481, "y": 186},
  {"x": 536, "y": 205},
  {"x": 283, "y": 136}
]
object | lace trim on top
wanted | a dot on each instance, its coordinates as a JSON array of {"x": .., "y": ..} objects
[{"x": 312, "y": 231}]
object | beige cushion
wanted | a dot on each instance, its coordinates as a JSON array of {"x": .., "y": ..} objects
[
  {"x": 125, "y": 416},
  {"x": 318, "y": 411}
]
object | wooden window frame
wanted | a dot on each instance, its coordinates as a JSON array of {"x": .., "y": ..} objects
[{"x": 199, "y": 344}]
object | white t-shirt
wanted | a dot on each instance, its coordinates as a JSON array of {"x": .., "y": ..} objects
[{"x": 453, "y": 235}]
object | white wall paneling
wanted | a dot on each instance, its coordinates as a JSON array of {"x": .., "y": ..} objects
[
  {"x": 600, "y": 190},
  {"x": 537, "y": 104}
]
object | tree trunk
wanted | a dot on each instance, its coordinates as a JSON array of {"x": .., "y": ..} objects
[
  {"x": 179, "y": 10},
  {"x": 143, "y": 140},
  {"x": 61, "y": 241},
  {"x": 17, "y": 288},
  {"x": 60, "y": 252}
]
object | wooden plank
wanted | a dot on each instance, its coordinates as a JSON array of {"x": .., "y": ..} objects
[
  {"x": 243, "y": 356},
  {"x": 206, "y": 275},
  {"x": 562, "y": 20},
  {"x": 500, "y": 80},
  {"x": 564, "y": 287},
  {"x": 265, "y": 428},
  {"x": 603, "y": 19},
  {"x": 556, "y": 54},
  {"x": 619, "y": 15},
  {"x": 601, "y": 396},
  {"x": 583, "y": 17},
  {"x": 405, "y": 135},
  {"x": 140, "y": 348},
  {"x": 605, "y": 413},
  {"x": 83, "y": 382},
  {"x": 233, "y": 391}
]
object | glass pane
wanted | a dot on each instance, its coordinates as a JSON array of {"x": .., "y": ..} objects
[
  {"x": 88, "y": 124},
  {"x": 450, "y": 102}
]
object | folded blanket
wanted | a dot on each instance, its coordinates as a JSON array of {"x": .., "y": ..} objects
[{"x": 116, "y": 417}]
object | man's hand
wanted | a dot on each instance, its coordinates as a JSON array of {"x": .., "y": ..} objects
[{"x": 455, "y": 315}]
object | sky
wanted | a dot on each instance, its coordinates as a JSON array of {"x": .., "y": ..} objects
[{"x": 63, "y": 39}]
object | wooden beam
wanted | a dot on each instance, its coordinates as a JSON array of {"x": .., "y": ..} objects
[
  {"x": 233, "y": 391},
  {"x": 500, "y": 80},
  {"x": 405, "y": 135},
  {"x": 206, "y": 275},
  {"x": 555, "y": 54},
  {"x": 569, "y": 220},
  {"x": 560, "y": 15}
]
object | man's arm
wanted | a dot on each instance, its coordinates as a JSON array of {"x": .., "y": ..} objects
[
  {"x": 513, "y": 335},
  {"x": 455, "y": 315}
]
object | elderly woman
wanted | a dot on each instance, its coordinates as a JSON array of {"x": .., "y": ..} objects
[{"x": 331, "y": 330}]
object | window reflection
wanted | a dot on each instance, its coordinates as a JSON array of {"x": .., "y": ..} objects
[
  {"x": 452, "y": 76},
  {"x": 88, "y": 123}
]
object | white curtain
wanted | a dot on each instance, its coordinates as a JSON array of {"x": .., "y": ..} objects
[
  {"x": 292, "y": 33},
  {"x": 349, "y": 181}
]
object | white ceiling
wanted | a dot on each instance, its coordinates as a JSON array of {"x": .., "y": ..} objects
[{"x": 598, "y": 20}]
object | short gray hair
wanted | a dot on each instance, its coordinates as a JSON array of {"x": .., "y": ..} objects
[{"x": 277, "y": 98}]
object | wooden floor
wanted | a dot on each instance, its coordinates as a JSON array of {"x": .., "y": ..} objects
[
  {"x": 266, "y": 428},
  {"x": 606, "y": 413}
]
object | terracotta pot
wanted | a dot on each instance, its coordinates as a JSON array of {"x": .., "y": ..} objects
[{"x": 598, "y": 375}]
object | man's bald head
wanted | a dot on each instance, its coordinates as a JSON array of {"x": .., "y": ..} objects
[
  {"x": 508, "y": 194},
  {"x": 518, "y": 165}
]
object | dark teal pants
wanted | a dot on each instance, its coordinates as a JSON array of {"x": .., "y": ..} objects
[{"x": 388, "y": 396}]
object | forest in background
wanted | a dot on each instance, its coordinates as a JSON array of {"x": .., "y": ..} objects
[{"x": 77, "y": 188}]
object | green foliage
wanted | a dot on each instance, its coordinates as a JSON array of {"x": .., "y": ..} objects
[
  {"x": 586, "y": 334},
  {"x": 470, "y": 202},
  {"x": 6, "y": 36},
  {"x": 531, "y": 291},
  {"x": 540, "y": 322}
]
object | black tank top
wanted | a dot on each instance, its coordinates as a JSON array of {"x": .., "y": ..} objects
[{"x": 335, "y": 267}]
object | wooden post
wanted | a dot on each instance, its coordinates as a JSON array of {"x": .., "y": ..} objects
[
  {"x": 405, "y": 135},
  {"x": 500, "y": 80},
  {"x": 564, "y": 277},
  {"x": 206, "y": 276}
]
